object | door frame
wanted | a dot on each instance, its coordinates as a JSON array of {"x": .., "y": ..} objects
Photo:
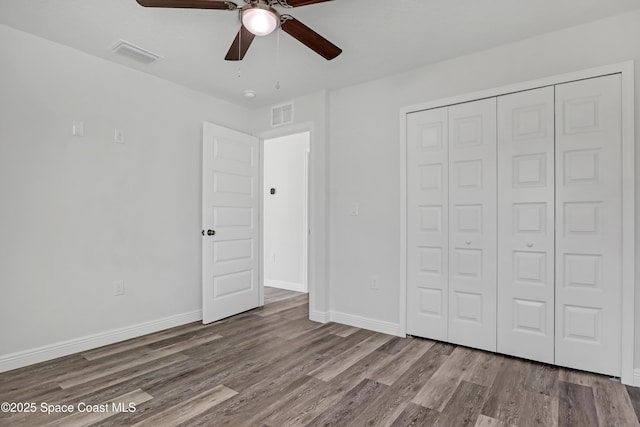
[
  {"x": 305, "y": 223},
  {"x": 279, "y": 133},
  {"x": 626, "y": 70}
]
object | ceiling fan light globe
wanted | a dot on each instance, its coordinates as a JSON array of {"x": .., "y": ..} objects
[{"x": 259, "y": 21}]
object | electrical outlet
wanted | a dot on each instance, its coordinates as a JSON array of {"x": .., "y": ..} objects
[
  {"x": 355, "y": 209},
  {"x": 118, "y": 288},
  {"x": 273, "y": 257},
  {"x": 374, "y": 283}
]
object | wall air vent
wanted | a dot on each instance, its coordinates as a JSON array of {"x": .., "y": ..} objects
[
  {"x": 137, "y": 53},
  {"x": 282, "y": 114}
]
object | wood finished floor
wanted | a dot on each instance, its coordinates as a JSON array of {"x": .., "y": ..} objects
[{"x": 273, "y": 367}]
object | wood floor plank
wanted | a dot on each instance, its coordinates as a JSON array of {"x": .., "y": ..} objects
[
  {"x": 396, "y": 344},
  {"x": 388, "y": 406},
  {"x": 437, "y": 392},
  {"x": 344, "y": 330},
  {"x": 95, "y": 394},
  {"x": 86, "y": 388},
  {"x": 280, "y": 379},
  {"x": 113, "y": 349},
  {"x": 85, "y": 418},
  {"x": 25, "y": 379},
  {"x": 87, "y": 375},
  {"x": 613, "y": 405},
  {"x": 464, "y": 406},
  {"x": 237, "y": 365},
  {"x": 484, "y": 421},
  {"x": 293, "y": 330},
  {"x": 401, "y": 361},
  {"x": 538, "y": 409},
  {"x": 416, "y": 416},
  {"x": 586, "y": 379},
  {"x": 364, "y": 368},
  {"x": 442, "y": 385},
  {"x": 272, "y": 295},
  {"x": 348, "y": 408},
  {"x": 279, "y": 412},
  {"x": 460, "y": 361},
  {"x": 280, "y": 306},
  {"x": 577, "y": 406},
  {"x": 253, "y": 370},
  {"x": 634, "y": 395},
  {"x": 340, "y": 363},
  {"x": 507, "y": 391},
  {"x": 303, "y": 409},
  {"x": 485, "y": 369},
  {"x": 189, "y": 408},
  {"x": 543, "y": 379}
]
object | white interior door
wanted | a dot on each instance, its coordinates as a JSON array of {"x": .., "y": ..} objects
[
  {"x": 472, "y": 235},
  {"x": 589, "y": 224},
  {"x": 230, "y": 223},
  {"x": 427, "y": 224},
  {"x": 526, "y": 224}
]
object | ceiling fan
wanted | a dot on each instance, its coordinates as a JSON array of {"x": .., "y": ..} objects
[{"x": 259, "y": 18}]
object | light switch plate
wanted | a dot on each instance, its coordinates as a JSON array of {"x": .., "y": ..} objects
[
  {"x": 118, "y": 136},
  {"x": 77, "y": 128}
]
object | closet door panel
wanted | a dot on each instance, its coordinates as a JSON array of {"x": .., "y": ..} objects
[
  {"x": 526, "y": 224},
  {"x": 472, "y": 216},
  {"x": 427, "y": 223},
  {"x": 589, "y": 224}
]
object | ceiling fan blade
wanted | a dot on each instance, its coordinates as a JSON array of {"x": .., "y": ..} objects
[
  {"x": 309, "y": 38},
  {"x": 240, "y": 45},
  {"x": 190, "y": 4},
  {"x": 296, "y": 3}
]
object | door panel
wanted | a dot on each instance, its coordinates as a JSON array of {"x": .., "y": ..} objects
[
  {"x": 427, "y": 224},
  {"x": 472, "y": 236},
  {"x": 230, "y": 204},
  {"x": 589, "y": 224},
  {"x": 526, "y": 224}
]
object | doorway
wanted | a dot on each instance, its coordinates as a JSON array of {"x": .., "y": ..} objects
[{"x": 286, "y": 211}]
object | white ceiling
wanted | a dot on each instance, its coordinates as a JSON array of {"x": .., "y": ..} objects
[{"x": 378, "y": 38}]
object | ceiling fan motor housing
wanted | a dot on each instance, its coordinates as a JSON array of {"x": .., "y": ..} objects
[{"x": 259, "y": 17}]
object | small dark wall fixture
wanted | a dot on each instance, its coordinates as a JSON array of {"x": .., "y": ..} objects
[{"x": 272, "y": 191}]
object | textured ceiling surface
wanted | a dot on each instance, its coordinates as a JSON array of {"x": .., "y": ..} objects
[{"x": 378, "y": 38}]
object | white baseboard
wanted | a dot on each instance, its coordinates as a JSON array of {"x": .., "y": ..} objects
[
  {"x": 65, "y": 348},
  {"x": 366, "y": 323},
  {"x": 281, "y": 284},
  {"x": 319, "y": 316},
  {"x": 636, "y": 378}
]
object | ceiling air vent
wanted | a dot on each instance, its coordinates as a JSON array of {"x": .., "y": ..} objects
[
  {"x": 282, "y": 114},
  {"x": 137, "y": 53}
]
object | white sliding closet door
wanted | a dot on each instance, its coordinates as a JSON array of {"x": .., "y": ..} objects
[
  {"x": 589, "y": 224},
  {"x": 526, "y": 224},
  {"x": 427, "y": 223},
  {"x": 472, "y": 235}
]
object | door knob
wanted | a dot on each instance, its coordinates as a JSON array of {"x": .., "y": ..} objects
[
  {"x": 209, "y": 232},
  {"x": 468, "y": 242},
  {"x": 529, "y": 244}
]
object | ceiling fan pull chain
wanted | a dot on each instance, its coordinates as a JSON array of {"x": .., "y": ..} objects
[
  {"x": 239, "y": 52},
  {"x": 278, "y": 58}
]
